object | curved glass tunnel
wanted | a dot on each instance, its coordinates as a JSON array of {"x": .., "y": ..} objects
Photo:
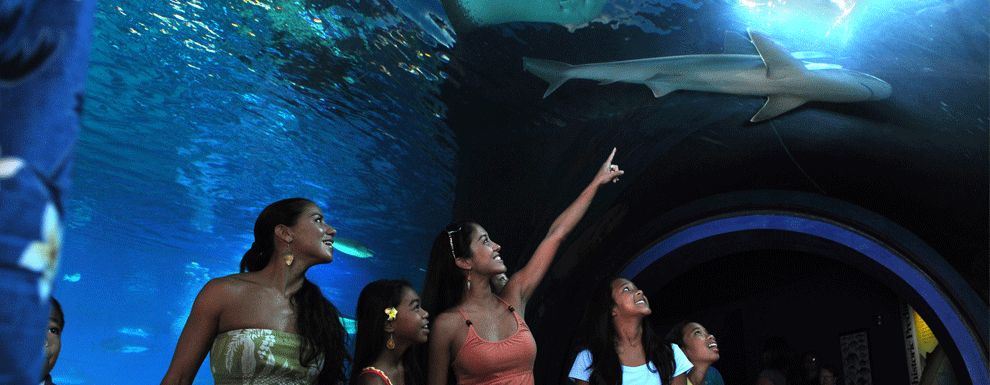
[{"x": 857, "y": 215}]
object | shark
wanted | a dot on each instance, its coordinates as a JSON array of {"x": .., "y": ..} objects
[{"x": 773, "y": 72}]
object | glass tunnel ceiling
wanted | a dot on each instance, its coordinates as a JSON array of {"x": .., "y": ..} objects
[{"x": 199, "y": 113}]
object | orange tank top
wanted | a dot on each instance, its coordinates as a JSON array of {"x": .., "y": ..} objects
[{"x": 506, "y": 362}]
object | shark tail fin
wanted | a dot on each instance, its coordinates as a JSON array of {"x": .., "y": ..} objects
[{"x": 553, "y": 72}]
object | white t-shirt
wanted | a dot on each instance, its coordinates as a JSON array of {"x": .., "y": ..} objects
[{"x": 632, "y": 375}]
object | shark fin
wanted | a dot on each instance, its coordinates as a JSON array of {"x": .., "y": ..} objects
[
  {"x": 780, "y": 64},
  {"x": 738, "y": 44},
  {"x": 776, "y": 105},
  {"x": 659, "y": 88},
  {"x": 553, "y": 72}
]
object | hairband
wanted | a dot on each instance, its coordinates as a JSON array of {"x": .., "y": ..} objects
[{"x": 450, "y": 237}]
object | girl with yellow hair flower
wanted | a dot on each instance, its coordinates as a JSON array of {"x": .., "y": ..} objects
[{"x": 390, "y": 323}]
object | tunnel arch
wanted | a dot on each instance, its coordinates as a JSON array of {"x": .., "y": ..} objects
[{"x": 897, "y": 257}]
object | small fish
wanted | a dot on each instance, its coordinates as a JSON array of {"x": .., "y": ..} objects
[
  {"x": 350, "y": 325},
  {"x": 137, "y": 332},
  {"x": 133, "y": 349},
  {"x": 119, "y": 345},
  {"x": 352, "y": 247},
  {"x": 72, "y": 278}
]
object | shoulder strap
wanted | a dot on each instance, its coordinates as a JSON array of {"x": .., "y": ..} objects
[
  {"x": 512, "y": 309},
  {"x": 515, "y": 314},
  {"x": 379, "y": 373},
  {"x": 466, "y": 320}
]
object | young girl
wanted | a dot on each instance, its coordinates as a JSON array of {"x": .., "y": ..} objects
[
  {"x": 479, "y": 334},
  {"x": 390, "y": 322},
  {"x": 701, "y": 348},
  {"x": 619, "y": 344}
]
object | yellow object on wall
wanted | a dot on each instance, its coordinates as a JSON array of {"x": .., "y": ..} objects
[{"x": 926, "y": 339}]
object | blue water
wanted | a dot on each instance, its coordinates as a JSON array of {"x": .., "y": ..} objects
[{"x": 199, "y": 113}]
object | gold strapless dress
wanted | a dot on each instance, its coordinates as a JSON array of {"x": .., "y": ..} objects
[{"x": 260, "y": 357}]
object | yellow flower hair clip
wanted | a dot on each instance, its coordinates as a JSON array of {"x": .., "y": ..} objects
[{"x": 391, "y": 312}]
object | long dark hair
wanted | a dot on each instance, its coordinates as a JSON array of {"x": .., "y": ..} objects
[
  {"x": 444, "y": 284},
  {"x": 598, "y": 335},
  {"x": 374, "y": 299},
  {"x": 676, "y": 334},
  {"x": 317, "y": 320}
]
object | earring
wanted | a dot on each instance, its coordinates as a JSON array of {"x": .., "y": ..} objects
[
  {"x": 390, "y": 343},
  {"x": 468, "y": 284},
  {"x": 289, "y": 257}
]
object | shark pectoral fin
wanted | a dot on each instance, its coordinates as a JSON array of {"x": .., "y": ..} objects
[
  {"x": 776, "y": 105},
  {"x": 553, "y": 87},
  {"x": 780, "y": 64},
  {"x": 659, "y": 88}
]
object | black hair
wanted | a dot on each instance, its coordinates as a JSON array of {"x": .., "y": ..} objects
[
  {"x": 57, "y": 309},
  {"x": 317, "y": 319},
  {"x": 676, "y": 334},
  {"x": 598, "y": 335},
  {"x": 374, "y": 299},
  {"x": 444, "y": 286}
]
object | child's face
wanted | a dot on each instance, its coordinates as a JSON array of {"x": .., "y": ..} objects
[
  {"x": 411, "y": 323},
  {"x": 53, "y": 341}
]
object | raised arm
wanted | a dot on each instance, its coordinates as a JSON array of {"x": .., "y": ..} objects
[
  {"x": 524, "y": 282},
  {"x": 197, "y": 335}
]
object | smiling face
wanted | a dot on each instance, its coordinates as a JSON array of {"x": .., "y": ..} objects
[
  {"x": 699, "y": 345},
  {"x": 629, "y": 300},
  {"x": 485, "y": 257},
  {"x": 411, "y": 324},
  {"x": 312, "y": 236}
]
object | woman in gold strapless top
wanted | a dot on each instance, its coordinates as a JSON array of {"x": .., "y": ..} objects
[{"x": 268, "y": 324}]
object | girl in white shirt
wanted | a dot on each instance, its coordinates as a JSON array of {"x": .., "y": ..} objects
[{"x": 620, "y": 347}]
